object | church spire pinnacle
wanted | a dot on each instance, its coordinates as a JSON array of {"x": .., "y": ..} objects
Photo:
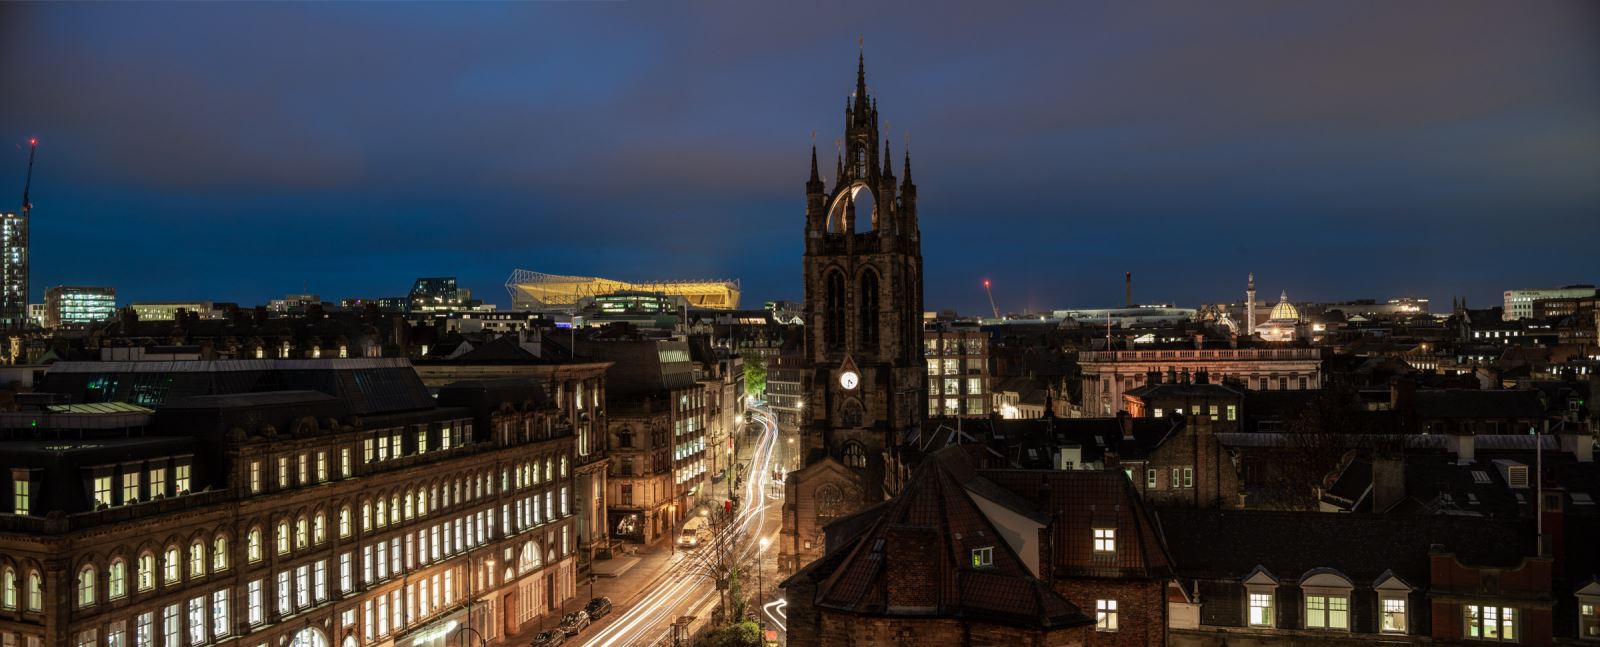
[
  {"x": 814, "y": 177},
  {"x": 888, "y": 162}
]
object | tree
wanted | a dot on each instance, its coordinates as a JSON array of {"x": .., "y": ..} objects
[
  {"x": 724, "y": 559},
  {"x": 745, "y": 633},
  {"x": 755, "y": 374}
]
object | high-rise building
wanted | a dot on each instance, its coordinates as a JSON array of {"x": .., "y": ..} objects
[
  {"x": 13, "y": 270},
  {"x": 863, "y": 334},
  {"x": 67, "y": 305}
]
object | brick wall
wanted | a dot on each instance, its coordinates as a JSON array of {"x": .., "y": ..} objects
[{"x": 1141, "y": 609}]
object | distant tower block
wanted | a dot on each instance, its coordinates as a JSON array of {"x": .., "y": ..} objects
[
  {"x": 1250, "y": 306},
  {"x": 1128, "y": 279}
]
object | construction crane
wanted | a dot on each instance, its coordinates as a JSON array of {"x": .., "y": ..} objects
[{"x": 990, "y": 292}]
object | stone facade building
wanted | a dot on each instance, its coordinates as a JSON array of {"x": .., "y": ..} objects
[
  {"x": 283, "y": 504},
  {"x": 1108, "y": 374}
]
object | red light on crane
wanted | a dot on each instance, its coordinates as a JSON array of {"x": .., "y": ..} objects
[{"x": 33, "y": 142}]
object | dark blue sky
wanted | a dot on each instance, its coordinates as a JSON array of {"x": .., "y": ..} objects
[{"x": 1339, "y": 150}]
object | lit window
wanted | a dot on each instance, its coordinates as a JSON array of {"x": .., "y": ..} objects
[
  {"x": 982, "y": 557},
  {"x": 1491, "y": 623},
  {"x": 1327, "y": 612},
  {"x": 256, "y": 610},
  {"x": 1105, "y": 615},
  {"x": 86, "y": 578},
  {"x": 252, "y": 547},
  {"x": 171, "y": 565},
  {"x": 1105, "y": 540},
  {"x": 197, "y": 559},
  {"x": 1261, "y": 609},
  {"x": 116, "y": 579},
  {"x": 20, "y": 503},
  {"x": 1394, "y": 616},
  {"x": 1588, "y": 621},
  {"x": 146, "y": 572},
  {"x": 1150, "y": 479}
]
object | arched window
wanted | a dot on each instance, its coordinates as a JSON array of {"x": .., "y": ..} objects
[
  {"x": 563, "y": 467},
  {"x": 867, "y": 302},
  {"x": 8, "y": 588},
  {"x": 302, "y": 536},
  {"x": 35, "y": 591},
  {"x": 366, "y": 515},
  {"x": 171, "y": 566},
  {"x": 344, "y": 521},
  {"x": 308, "y": 637},
  {"x": 282, "y": 538},
  {"x": 834, "y": 312},
  {"x": 549, "y": 469},
  {"x": 219, "y": 554},
  {"x": 422, "y": 502},
  {"x": 529, "y": 559},
  {"x": 319, "y": 530},
  {"x": 86, "y": 577},
  {"x": 197, "y": 559},
  {"x": 147, "y": 572},
  {"x": 855, "y": 455},
  {"x": 383, "y": 512},
  {"x": 117, "y": 579},
  {"x": 252, "y": 545}
]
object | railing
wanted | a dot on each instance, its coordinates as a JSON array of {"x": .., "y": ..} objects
[
  {"x": 1199, "y": 354},
  {"x": 59, "y": 523}
]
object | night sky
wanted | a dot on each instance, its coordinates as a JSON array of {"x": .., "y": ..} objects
[{"x": 237, "y": 152}]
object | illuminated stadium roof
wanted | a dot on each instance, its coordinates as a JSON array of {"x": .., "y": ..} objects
[{"x": 539, "y": 290}]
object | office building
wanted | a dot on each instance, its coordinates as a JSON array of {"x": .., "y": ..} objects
[
  {"x": 74, "y": 305},
  {"x": 13, "y": 270},
  {"x": 1519, "y": 303}
]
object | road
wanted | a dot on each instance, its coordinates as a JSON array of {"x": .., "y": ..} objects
[{"x": 647, "y": 620}]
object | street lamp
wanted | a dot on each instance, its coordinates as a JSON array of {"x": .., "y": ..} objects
[{"x": 761, "y": 556}]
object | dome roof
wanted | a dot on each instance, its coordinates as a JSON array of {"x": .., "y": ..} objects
[{"x": 1285, "y": 311}]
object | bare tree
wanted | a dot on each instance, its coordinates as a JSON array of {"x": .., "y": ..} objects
[{"x": 724, "y": 560}]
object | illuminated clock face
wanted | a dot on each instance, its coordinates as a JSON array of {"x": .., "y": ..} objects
[{"x": 849, "y": 380}]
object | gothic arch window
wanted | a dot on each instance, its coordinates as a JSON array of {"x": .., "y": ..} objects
[
  {"x": 145, "y": 575},
  {"x": 830, "y": 503},
  {"x": 855, "y": 455},
  {"x": 8, "y": 583},
  {"x": 850, "y": 414},
  {"x": 834, "y": 311},
  {"x": 117, "y": 578},
  {"x": 867, "y": 302},
  {"x": 86, "y": 581}
]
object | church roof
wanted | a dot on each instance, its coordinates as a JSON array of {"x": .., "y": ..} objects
[{"x": 1284, "y": 311}]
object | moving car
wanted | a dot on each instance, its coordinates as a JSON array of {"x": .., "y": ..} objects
[
  {"x": 574, "y": 622},
  {"x": 598, "y": 608},
  {"x": 695, "y": 531},
  {"x": 549, "y": 638}
]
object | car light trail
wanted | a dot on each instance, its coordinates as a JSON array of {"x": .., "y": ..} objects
[{"x": 638, "y": 626}]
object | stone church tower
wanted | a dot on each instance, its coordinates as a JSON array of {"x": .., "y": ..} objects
[{"x": 863, "y": 318}]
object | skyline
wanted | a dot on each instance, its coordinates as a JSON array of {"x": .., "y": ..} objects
[{"x": 1188, "y": 146}]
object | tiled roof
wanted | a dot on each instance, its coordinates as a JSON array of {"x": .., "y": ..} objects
[
  {"x": 915, "y": 559},
  {"x": 1081, "y": 500}
]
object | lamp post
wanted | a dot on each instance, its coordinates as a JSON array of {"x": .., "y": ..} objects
[{"x": 761, "y": 557}]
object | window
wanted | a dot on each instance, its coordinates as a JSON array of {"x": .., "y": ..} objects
[
  {"x": 252, "y": 545},
  {"x": 1150, "y": 479},
  {"x": 319, "y": 531},
  {"x": 102, "y": 491},
  {"x": 35, "y": 591},
  {"x": 1491, "y": 623},
  {"x": 1394, "y": 616},
  {"x": 322, "y": 467},
  {"x": 255, "y": 611},
  {"x": 197, "y": 559},
  {"x": 219, "y": 613},
  {"x": 86, "y": 577},
  {"x": 197, "y": 620},
  {"x": 255, "y": 477},
  {"x": 302, "y": 587},
  {"x": 88, "y": 638},
  {"x": 1188, "y": 477},
  {"x": 20, "y": 503},
  {"x": 1105, "y": 540},
  {"x": 144, "y": 630},
  {"x": 219, "y": 554},
  {"x": 301, "y": 534},
  {"x": 282, "y": 542},
  {"x": 346, "y": 572},
  {"x": 344, "y": 521},
  {"x": 1105, "y": 615},
  {"x": 8, "y": 589},
  {"x": 130, "y": 487},
  {"x": 1233, "y": 412},
  {"x": 158, "y": 482},
  {"x": 282, "y": 593},
  {"x": 982, "y": 557},
  {"x": 344, "y": 463},
  {"x": 1327, "y": 612},
  {"x": 283, "y": 472},
  {"x": 303, "y": 470},
  {"x": 117, "y": 634},
  {"x": 1261, "y": 609},
  {"x": 319, "y": 580},
  {"x": 182, "y": 478}
]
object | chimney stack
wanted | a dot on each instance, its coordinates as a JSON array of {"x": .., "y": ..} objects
[{"x": 1388, "y": 482}]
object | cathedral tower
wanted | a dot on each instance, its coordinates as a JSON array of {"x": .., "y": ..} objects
[{"x": 863, "y": 321}]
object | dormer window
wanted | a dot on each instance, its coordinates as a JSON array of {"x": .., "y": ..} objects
[
  {"x": 983, "y": 557},
  {"x": 1261, "y": 609},
  {"x": 1105, "y": 540}
]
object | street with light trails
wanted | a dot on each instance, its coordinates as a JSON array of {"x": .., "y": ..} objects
[{"x": 648, "y": 619}]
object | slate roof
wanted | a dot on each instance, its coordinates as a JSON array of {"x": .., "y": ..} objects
[
  {"x": 935, "y": 509},
  {"x": 1472, "y": 403},
  {"x": 1080, "y": 500},
  {"x": 1360, "y": 546}
]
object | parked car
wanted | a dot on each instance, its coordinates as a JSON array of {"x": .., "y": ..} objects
[
  {"x": 598, "y": 608},
  {"x": 550, "y": 638},
  {"x": 574, "y": 622}
]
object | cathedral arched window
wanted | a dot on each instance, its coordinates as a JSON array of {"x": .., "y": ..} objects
[
  {"x": 834, "y": 312},
  {"x": 855, "y": 455},
  {"x": 867, "y": 300}
]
